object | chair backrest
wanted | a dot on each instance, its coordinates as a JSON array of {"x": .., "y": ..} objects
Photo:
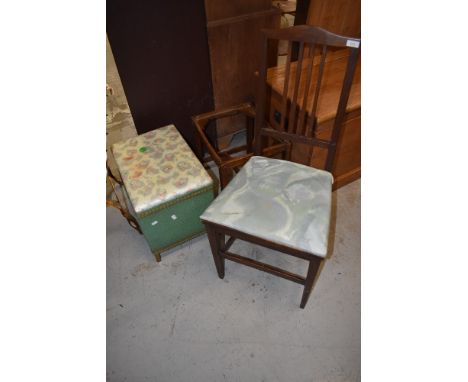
[{"x": 301, "y": 92}]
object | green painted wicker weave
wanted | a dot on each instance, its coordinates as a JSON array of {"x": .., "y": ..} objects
[{"x": 167, "y": 186}]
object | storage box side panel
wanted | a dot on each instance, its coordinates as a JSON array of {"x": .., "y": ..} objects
[{"x": 176, "y": 223}]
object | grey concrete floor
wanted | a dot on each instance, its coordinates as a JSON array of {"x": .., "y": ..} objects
[{"x": 177, "y": 321}]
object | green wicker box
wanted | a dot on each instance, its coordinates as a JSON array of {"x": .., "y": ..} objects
[{"x": 167, "y": 186}]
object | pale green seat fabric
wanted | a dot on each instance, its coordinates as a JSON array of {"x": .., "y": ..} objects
[{"x": 284, "y": 202}]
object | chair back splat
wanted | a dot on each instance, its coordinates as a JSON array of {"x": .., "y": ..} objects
[{"x": 302, "y": 97}]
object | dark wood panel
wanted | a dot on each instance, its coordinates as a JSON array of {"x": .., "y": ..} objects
[
  {"x": 302, "y": 12},
  {"x": 300, "y": 18},
  {"x": 161, "y": 53}
]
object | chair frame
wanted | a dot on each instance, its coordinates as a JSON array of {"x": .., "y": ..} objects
[
  {"x": 220, "y": 250},
  {"x": 295, "y": 132},
  {"x": 228, "y": 165}
]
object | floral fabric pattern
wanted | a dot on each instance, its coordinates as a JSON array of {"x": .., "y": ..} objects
[{"x": 157, "y": 167}]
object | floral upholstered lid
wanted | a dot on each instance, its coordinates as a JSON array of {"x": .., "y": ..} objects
[{"x": 157, "y": 167}]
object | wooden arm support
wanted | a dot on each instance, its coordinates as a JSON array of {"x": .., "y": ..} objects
[
  {"x": 228, "y": 165},
  {"x": 200, "y": 121},
  {"x": 245, "y": 108}
]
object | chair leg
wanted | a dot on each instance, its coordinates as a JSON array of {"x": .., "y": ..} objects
[
  {"x": 250, "y": 134},
  {"x": 288, "y": 152},
  {"x": 314, "y": 265},
  {"x": 225, "y": 175},
  {"x": 216, "y": 240},
  {"x": 199, "y": 147}
]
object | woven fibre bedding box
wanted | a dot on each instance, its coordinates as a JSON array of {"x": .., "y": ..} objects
[{"x": 167, "y": 186}]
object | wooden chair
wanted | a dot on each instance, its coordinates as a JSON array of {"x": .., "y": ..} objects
[
  {"x": 276, "y": 203},
  {"x": 227, "y": 164}
]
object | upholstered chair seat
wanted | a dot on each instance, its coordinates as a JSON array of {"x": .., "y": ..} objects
[{"x": 277, "y": 200}]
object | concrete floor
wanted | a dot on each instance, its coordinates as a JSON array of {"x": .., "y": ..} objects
[{"x": 177, "y": 321}]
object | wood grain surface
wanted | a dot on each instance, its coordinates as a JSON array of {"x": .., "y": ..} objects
[
  {"x": 234, "y": 35},
  {"x": 333, "y": 75}
]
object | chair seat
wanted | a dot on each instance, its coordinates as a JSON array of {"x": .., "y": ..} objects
[{"x": 280, "y": 201}]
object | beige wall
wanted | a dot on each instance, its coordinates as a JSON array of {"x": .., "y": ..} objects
[{"x": 119, "y": 121}]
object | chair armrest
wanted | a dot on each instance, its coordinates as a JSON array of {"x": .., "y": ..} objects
[
  {"x": 268, "y": 152},
  {"x": 244, "y": 108},
  {"x": 203, "y": 139},
  {"x": 200, "y": 121}
]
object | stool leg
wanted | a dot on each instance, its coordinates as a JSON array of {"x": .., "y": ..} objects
[
  {"x": 157, "y": 255},
  {"x": 314, "y": 265}
]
